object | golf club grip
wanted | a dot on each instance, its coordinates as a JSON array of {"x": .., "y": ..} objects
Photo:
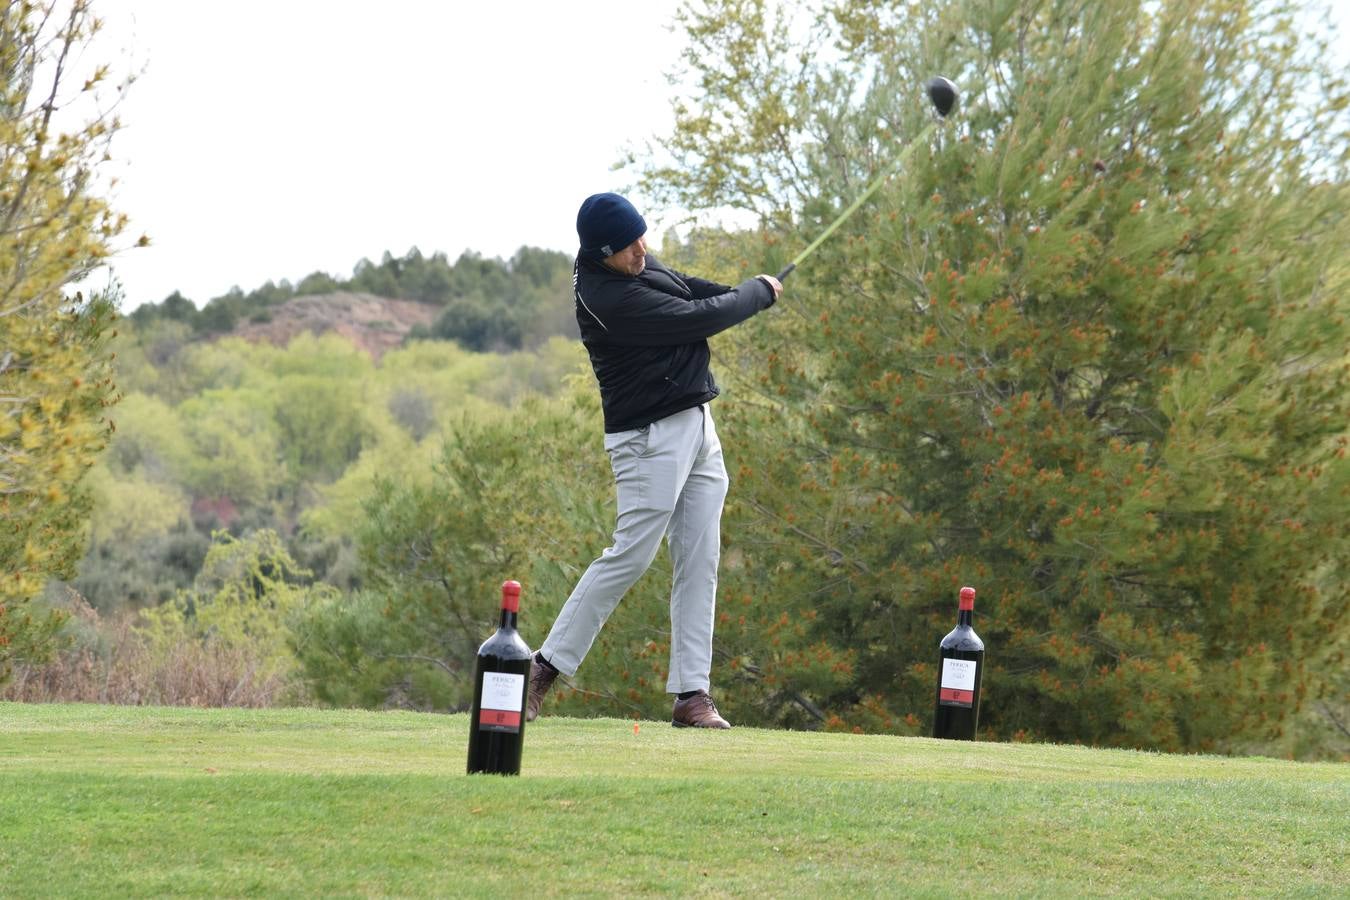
[{"x": 786, "y": 271}]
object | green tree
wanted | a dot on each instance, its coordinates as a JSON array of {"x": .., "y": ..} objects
[
  {"x": 525, "y": 496},
  {"x": 478, "y": 323},
  {"x": 1086, "y": 352},
  {"x": 244, "y": 601},
  {"x": 219, "y": 316},
  {"x": 55, "y": 376},
  {"x": 133, "y": 507},
  {"x": 121, "y": 574},
  {"x": 175, "y": 308},
  {"x": 372, "y": 279},
  {"x": 317, "y": 283},
  {"x": 235, "y": 450},
  {"x": 431, "y": 555},
  {"x": 322, "y": 429},
  {"x": 149, "y": 440},
  {"x": 148, "y": 357}
]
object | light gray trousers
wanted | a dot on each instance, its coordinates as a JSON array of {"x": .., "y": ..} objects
[{"x": 671, "y": 482}]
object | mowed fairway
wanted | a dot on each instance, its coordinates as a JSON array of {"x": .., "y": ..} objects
[{"x": 114, "y": 801}]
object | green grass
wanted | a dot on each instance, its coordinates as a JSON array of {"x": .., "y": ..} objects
[{"x": 100, "y": 801}]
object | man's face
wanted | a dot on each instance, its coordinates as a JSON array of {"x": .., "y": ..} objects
[{"x": 631, "y": 260}]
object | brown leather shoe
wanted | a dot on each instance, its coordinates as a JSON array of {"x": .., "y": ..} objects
[
  {"x": 697, "y": 711},
  {"x": 541, "y": 679}
]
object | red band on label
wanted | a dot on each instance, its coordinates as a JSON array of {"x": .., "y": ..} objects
[
  {"x": 956, "y": 696},
  {"x": 489, "y": 718}
]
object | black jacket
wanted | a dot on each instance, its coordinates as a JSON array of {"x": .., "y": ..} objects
[{"x": 647, "y": 336}]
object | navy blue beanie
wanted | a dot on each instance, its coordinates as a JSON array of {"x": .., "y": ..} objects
[{"x": 607, "y": 223}]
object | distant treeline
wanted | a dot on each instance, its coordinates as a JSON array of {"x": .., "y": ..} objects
[{"x": 487, "y": 304}]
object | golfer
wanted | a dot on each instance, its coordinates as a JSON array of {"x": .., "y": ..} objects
[{"x": 646, "y": 329}]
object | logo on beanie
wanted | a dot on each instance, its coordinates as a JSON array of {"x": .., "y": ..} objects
[{"x": 605, "y": 251}]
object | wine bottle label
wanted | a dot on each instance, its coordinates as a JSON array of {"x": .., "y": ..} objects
[
  {"x": 958, "y": 682},
  {"x": 500, "y": 703}
]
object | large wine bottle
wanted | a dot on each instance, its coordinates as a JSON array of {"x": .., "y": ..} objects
[
  {"x": 500, "y": 680},
  {"x": 960, "y": 668}
]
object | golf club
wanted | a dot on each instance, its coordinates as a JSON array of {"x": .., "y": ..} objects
[{"x": 942, "y": 93}]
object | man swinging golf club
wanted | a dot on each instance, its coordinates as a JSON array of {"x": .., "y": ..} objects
[{"x": 646, "y": 329}]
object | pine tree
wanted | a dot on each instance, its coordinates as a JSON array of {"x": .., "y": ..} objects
[
  {"x": 1087, "y": 352},
  {"x": 55, "y": 371}
]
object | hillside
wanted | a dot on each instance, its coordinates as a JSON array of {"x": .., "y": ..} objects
[
  {"x": 374, "y": 324},
  {"x": 103, "y": 800}
]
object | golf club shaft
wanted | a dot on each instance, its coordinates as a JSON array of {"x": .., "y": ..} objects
[{"x": 922, "y": 138}]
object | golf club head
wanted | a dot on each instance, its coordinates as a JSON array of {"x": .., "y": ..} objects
[{"x": 943, "y": 93}]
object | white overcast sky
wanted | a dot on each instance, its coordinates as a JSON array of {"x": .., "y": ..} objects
[{"x": 268, "y": 139}]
